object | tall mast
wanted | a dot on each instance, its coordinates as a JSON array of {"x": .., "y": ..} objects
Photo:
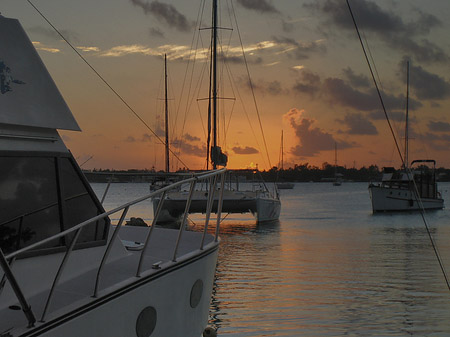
[
  {"x": 335, "y": 158},
  {"x": 282, "y": 150},
  {"x": 166, "y": 113},
  {"x": 214, "y": 78},
  {"x": 406, "y": 121}
]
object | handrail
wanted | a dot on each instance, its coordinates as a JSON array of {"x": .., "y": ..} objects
[
  {"x": 18, "y": 291},
  {"x": 115, "y": 210}
]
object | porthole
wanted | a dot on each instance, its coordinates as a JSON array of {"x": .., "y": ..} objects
[
  {"x": 146, "y": 322},
  {"x": 196, "y": 293}
]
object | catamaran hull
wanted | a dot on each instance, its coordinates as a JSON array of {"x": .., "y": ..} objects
[
  {"x": 267, "y": 209},
  {"x": 386, "y": 199},
  {"x": 263, "y": 209},
  {"x": 158, "y": 306}
]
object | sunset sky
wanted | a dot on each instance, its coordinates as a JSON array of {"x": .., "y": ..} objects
[{"x": 307, "y": 67}]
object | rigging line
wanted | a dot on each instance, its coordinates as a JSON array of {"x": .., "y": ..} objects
[
  {"x": 101, "y": 78},
  {"x": 372, "y": 60},
  {"x": 251, "y": 86},
  {"x": 190, "y": 98},
  {"x": 375, "y": 82},
  {"x": 198, "y": 23},
  {"x": 245, "y": 111}
]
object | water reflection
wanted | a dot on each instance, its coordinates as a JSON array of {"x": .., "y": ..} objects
[{"x": 330, "y": 268}]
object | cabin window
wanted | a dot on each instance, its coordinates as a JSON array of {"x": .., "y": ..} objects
[{"x": 41, "y": 196}]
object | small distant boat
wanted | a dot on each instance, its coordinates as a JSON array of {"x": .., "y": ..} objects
[
  {"x": 410, "y": 188},
  {"x": 337, "y": 176},
  {"x": 64, "y": 269},
  {"x": 283, "y": 185}
]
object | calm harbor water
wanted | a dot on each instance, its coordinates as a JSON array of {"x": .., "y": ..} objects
[{"x": 327, "y": 268}]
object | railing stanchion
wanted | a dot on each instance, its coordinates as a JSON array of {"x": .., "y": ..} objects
[
  {"x": 108, "y": 249},
  {"x": 16, "y": 288},
  {"x": 185, "y": 216},
  {"x": 219, "y": 207},
  {"x": 107, "y": 188},
  {"x": 59, "y": 272},
  {"x": 147, "y": 239},
  {"x": 3, "y": 280},
  {"x": 209, "y": 206}
]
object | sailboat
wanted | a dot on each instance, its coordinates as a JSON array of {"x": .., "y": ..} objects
[
  {"x": 64, "y": 269},
  {"x": 283, "y": 185},
  {"x": 337, "y": 177},
  {"x": 411, "y": 188},
  {"x": 165, "y": 178},
  {"x": 264, "y": 204}
]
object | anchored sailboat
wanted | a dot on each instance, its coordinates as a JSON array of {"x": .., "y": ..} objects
[
  {"x": 262, "y": 203},
  {"x": 337, "y": 177},
  {"x": 283, "y": 185}
]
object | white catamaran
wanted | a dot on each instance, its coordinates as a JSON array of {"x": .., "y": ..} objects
[
  {"x": 263, "y": 203},
  {"x": 64, "y": 269}
]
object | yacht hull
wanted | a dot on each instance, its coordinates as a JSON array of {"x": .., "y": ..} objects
[
  {"x": 158, "y": 305},
  {"x": 385, "y": 199}
]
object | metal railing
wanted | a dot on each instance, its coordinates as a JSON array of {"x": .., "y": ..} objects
[{"x": 212, "y": 178}]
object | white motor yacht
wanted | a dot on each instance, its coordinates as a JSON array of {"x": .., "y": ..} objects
[{"x": 64, "y": 269}]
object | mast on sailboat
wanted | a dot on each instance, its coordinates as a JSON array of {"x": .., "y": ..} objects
[
  {"x": 405, "y": 164},
  {"x": 282, "y": 151},
  {"x": 217, "y": 156},
  {"x": 166, "y": 114}
]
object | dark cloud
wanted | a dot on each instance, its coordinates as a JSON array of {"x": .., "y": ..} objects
[
  {"x": 287, "y": 26},
  {"x": 311, "y": 140},
  {"x": 52, "y": 34},
  {"x": 156, "y": 32},
  {"x": 309, "y": 83},
  {"x": 190, "y": 138},
  {"x": 147, "y": 137},
  {"x": 187, "y": 146},
  {"x": 262, "y": 6},
  {"x": 438, "y": 142},
  {"x": 396, "y": 115},
  {"x": 439, "y": 126},
  {"x": 130, "y": 139},
  {"x": 428, "y": 86},
  {"x": 239, "y": 59},
  {"x": 273, "y": 88},
  {"x": 407, "y": 37},
  {"x": 358, "y": 124},
  {"x": 244, "y": 150},
  {"x": 165, "y": 13},
  {"x": 356, "y": 80},
  {"x": 159, "y": 130},
  {"x": 341, "y": 93},
  {"x": 300, "y": 51},
  {"x": 423, "y": 51}
]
